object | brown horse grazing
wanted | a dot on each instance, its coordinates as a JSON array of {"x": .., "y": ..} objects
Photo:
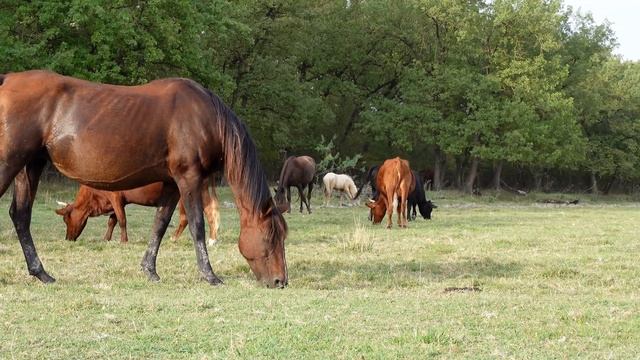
[
  {"x": 118, "y": 138},
  {"x": 90, "y": 202},
  {"x": 394, "y": 182},
  {"x": 297, "y": 171}
]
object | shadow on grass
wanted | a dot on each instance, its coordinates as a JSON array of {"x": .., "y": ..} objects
[{"x": 336, "y": 274}]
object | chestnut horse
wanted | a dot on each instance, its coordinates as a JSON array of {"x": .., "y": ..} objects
[
  {"x": 394, "y": 183},
  {"x": 297, "y": 171},
  {"x": 121, "y": 137},
  {"x": 90, "y": 202}
]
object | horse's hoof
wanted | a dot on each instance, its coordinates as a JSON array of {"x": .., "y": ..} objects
[
  {"x": 212, "y": 242},
  {"x": 213, "y": 280},
  {"x": 44, "y": 277},
  {"x": 152, "y": 275}
]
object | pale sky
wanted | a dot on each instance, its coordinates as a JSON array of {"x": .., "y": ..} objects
[{"x": 624, "y": 16}]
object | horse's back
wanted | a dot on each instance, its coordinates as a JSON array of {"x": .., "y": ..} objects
[
  {"x": 307, "y": 165},
  {"x": 109, "y": 136},
  {"x": 299, "y": 170}
]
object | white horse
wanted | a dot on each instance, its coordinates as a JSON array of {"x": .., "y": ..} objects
[{"x": 341, "y": 182}]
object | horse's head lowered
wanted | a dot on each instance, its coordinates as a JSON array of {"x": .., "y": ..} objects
[
  {"x": 74, "y": 218},
  {"x": 280, "y": 199},
  {"x": 262, "y": 245}
]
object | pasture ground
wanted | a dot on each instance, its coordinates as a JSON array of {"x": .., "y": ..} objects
[{"x": 556, "y": 282}]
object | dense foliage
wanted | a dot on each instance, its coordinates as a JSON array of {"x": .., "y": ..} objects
[{"x": 483, "y": 92}]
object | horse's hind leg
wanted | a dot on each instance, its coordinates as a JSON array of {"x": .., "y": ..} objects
[
  {"x": 190, "y": 186},
  {"x": 121, "y": 215},
  {"x": 110, "y": 225},
  {"x": 210, "y": 203},
  {"x": 166, "y": 206},
  {"x": 25, "y": 188},
  {"x": 309, "y": 197},
  {"x": 303, "y": 200}
]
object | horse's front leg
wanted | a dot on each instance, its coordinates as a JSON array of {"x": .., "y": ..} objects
[
  {"x": 25, "y": 188},
  {"x": 166, "y": 206},
  {"x": 289, "y": 199},
  {"x": 190, "y": 186}
]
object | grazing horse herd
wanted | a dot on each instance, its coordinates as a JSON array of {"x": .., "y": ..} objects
[{"x": 159, "y": 145}]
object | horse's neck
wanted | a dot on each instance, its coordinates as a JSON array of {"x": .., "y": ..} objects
[
  {"x": 284, "y": 174},
  {"x": 245, "y": 205}
]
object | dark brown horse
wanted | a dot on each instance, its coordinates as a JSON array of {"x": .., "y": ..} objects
[
  {"x": 117, "y": 138},
  {"x": 297, "y": 171},
  {"x": 90, "y": 202}
]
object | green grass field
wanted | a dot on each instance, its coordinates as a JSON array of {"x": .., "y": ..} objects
[{"x": 555, "y": 281}]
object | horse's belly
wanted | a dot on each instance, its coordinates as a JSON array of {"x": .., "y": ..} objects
[{"x": 108, "y": 167}]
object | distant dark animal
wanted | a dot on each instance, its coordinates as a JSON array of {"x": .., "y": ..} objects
[
  {"x": 560, "y": 202},
  {"x": 298, "y": 171},
  {"x": 394, "y": 182},
  {"x": 418, "y": 198},
  {"x": 427, "y": 176},
  {"x": 91, "y": 202},
  {"x": 341, "y": 182},
  {"x": 116, "y": 138},
  {"x": 370, "y": 177}
]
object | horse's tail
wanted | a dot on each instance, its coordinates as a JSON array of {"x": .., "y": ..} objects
[
  {"x": 366, "y": 179},
  {"x": 1, "y": 79}
]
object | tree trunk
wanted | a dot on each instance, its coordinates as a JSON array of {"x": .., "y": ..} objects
[
  {"x": 497, "y": 175},
  {"x": 460, "y": 165},
  {"x": 594, "y": 184},
  {"x": 472, "y": 175},
  {"x": 438, "y": 170},
  {"x": 606, "y": 189},
  {"x": 537, "y": 180}
]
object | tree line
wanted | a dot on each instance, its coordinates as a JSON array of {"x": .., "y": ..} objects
[{"x": 520, "y": 92}]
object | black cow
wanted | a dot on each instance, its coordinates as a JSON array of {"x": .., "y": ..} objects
[{"x": 418, "y": 197}]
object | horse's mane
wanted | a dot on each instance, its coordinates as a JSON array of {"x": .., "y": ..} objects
[{"x": 242, "y": 165}]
